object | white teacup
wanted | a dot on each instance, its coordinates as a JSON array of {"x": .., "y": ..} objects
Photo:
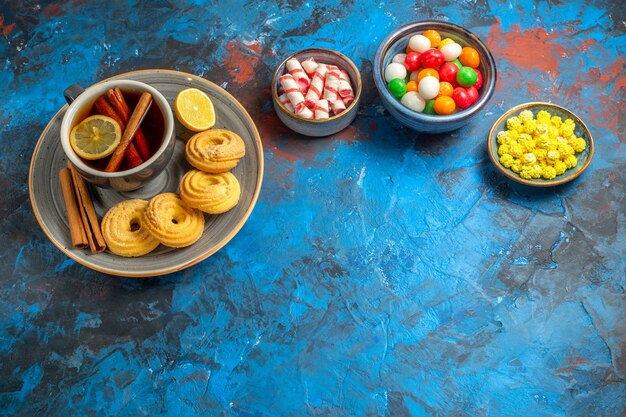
[{"x": 130, "y": 179}]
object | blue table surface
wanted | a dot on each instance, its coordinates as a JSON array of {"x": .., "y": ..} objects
[{"x": 382, "y": 272}]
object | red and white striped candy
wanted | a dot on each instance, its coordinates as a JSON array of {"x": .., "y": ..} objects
[
  {"x": 285, "y": 102},
  {"x": 316, "y": 88},
  {"x": 345, "y": 88},
  {"x": 331, "y": 86},
  {"x": 296, "y": 70},
  {"x": 309, "y": 65},
  {"x": 321, "y": 109},
  {"x": 293, "y": 92},
  {"x": 305, "y": 113},
  {"x": 338, "y": 107}
]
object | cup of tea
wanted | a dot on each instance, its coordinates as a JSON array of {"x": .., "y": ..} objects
[{"x": 91, "y": 112}]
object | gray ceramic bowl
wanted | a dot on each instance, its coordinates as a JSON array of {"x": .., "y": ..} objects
[
  {"x": 333, "y": 124},
  {"x": 581, "y": 130},
  {"x": 122, "y": 180},
  {"x": 396, "y": 43}
]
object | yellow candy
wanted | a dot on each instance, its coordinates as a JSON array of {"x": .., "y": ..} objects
[
  {"x": 553, "y": 132},
  {"x": 566, "y": 150},
  {"x": 566, "y": 129},
  {"x": 503, "y": 137},
  {"x": 555, "y": 121},
  {"x": 516, "y": 151},
  {"x": 529, "y": 158},
  {"x": 560, "y": 167},
  {"x": 553, "y": 156},
  {"x": 543, "y": 117},
  {"x": 525, "y": 116},
  {"x": 539, "y": 148},
  {"x": 571, "y": 161},
  {"x": 530, "y": 126},
  {"x": 541, "y": 129},
  {"x": 536, "y": 172},
  {"x": 513, "y": 123},
  {"x": 548, "y": 173},
  {"x": 526, "y": 173},
  {"x": 530, "y": 145},
  {"x": 579, "y": 145},
  {"x": 445, "y": 42},
  {"x": 540, "y": 153},
  {"x": 506, "y": 160}
]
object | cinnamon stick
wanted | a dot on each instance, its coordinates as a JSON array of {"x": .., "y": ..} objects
[
  {"x": 87, "y": 212},
  {"x": 117, "y": 101},
  {"x": 77, "y": 231},
  {"x": 133, "y": 123},
  {"x": 103, "y": 107}
]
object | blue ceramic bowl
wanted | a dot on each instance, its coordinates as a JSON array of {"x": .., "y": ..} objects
[
  {"x": 396, "y": 43},
  {"x": 333, "y": 124},
  {"x": 581, "y": 130}
]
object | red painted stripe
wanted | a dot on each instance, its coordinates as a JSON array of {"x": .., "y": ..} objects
[{"x": 316, "y": 90}]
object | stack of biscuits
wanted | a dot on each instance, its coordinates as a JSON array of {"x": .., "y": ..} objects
[{"x": 136, "y": 227}]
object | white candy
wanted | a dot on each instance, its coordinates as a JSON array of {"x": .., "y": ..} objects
[
  {"x": 429, "y": 87},
  {"x": 413, "y": 76},
  {"x": 309, "y": 66},
  {"x": 399, "y": 58},
  {"x": 413, "y": 101},
  {"x": 451, "y": 51},
  {"x": 395, "y": 70},
  {"x": 419, "y": 43}
]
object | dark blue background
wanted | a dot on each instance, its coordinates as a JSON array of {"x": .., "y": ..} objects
[{"x": 382, "y": 272}]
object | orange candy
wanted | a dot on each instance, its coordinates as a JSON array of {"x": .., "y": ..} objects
[
  {"x": 445, "y": 89},
  {"x": 433, "y": 36},
  {"x": 426, "y": 72},
  {"x": 444, "y": 105},
  {"x": 469, "y": 57},
  {"x": 411, "y": 86}
]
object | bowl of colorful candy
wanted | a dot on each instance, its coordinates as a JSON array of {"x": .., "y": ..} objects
[
  {"x": 540, "y": 144},
  {"x": 316, "y": 91},
  {"x": 434, "y": 76}
]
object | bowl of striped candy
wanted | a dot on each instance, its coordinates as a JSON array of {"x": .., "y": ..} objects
[
  {"x": 316, "y": 91},
  {"x": 434, "y": 76}
]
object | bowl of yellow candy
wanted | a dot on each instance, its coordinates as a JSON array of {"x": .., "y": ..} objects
[{"x": 540, "y": 144}]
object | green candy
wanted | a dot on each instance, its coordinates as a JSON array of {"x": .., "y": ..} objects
[
  {"x": 466, "y": 76},
  {"x": 457, "y": 63},
  {"x": 430, "y": 107},
  {"x": 397, "y": 87}
]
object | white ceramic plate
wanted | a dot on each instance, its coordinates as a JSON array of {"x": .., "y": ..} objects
[{"x": 47, "y": 199}]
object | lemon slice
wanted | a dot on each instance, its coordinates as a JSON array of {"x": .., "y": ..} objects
[
  {"x": 95, "y": 137},
  {"x": 194, "y": 110}
]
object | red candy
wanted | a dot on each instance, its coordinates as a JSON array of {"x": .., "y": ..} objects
[
  {"x": 462, "y": 98},
  {"x": 472, "y": 92},
  {"x": 447, "y": 72},
  {"x": 412, "y": 61},
  {"x": 479, "y": 80},
  {"x": 432, "y": 58}
]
